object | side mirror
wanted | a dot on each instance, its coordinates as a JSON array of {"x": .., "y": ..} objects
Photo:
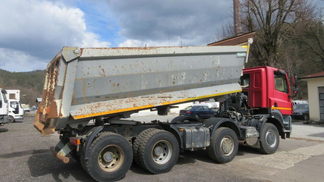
[
  {"x": 294, "y": 81},
  {"x": 295, "y": 92}
]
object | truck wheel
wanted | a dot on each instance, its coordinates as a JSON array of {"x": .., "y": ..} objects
[
  {"x": 269, "y": 139},
  {"x": 11, "y": 119},
  {"x": 137, "y": 143},
  {"x": 159, "y": 151},
  {"x": 110, "y": 157},
  {"x": 224, "y": 145}
]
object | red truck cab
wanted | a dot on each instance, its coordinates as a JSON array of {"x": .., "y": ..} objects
[{"x": 267, "y": 89}]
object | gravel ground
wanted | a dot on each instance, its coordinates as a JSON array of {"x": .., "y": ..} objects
[
  {"x": 308, "y": 131},
  {"x": 25, "y": 156}
]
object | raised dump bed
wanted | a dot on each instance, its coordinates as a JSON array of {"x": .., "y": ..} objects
[{"x": 86, "y": 83}]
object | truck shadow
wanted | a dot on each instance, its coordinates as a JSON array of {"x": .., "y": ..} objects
[
  {"x": 45, "y": 163},
  {"x": 42, "y": 163},
  {"x": 2, "y": 130},
  {"x": 246, "y": 149}
]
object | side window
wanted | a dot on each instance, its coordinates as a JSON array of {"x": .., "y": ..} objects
[
  {"x": 206, "y": 108},
  {"x": 280, "y": 82},
  {"x": 245, "y": 80}
]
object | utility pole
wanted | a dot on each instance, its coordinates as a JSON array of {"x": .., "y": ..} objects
[{"x": 237, "y": 17}]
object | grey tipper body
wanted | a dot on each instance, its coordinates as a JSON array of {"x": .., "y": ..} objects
[{"x": 93, "y": 82}]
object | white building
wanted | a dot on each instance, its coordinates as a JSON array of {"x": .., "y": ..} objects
[{"x": 315, "y": 86}]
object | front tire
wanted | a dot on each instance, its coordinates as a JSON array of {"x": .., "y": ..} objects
[
  {"x": 269, "y": 139},
  {"x": 11, "y": 119},
  {"x": 159, "y": 151},
  {"x": 224, "y": 145},
  {"x": 110, "y": 157}
]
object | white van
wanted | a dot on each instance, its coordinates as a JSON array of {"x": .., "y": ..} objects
[
  {"x": 3, "y": 107},
  {"x": 15, "y": 111}
]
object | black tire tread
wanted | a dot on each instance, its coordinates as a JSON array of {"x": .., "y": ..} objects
[
  {"x": 141, "y": 150},
  {"x": 137, "y": 143},
  {"x": 100, "y": 137},
  {"x": 212, "y": 146},
  {"x": 263, "y": 149}
]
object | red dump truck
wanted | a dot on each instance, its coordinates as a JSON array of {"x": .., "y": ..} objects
[{"x": 88, "y": 92}]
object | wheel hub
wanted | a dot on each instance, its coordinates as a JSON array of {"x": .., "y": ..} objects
[
  {"x": 161, "y": 152},
  {"x": 158, "y": 151},
  {"x": 108, "y": 157},
  {"x": 271, "y": 138},
  {"x": 227, "y": 146}
]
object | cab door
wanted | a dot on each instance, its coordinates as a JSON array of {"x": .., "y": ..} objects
[{"x": 281, "y": 99}]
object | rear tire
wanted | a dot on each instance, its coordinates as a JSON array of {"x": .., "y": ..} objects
[
  {"x": 269, "y": 139},
  {"x": 159, "y": 151},
  {"x": 224, "y": 145},
  {"x": 137, "y": 143},
  {"x": 110, "y": 157}
]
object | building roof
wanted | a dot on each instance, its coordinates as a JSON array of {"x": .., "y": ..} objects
[
  {"x": 38, "y": 100},
  {"x": 315, "y": 75},
  {"x": 237, "y": 40}
]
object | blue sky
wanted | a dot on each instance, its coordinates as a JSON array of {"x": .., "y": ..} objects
[{"x": 32, "y": 32}]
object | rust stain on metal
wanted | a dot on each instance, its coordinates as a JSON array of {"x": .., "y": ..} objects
[
  {"x": 103, "y": 74},
  {"x": 42, "y": 118},
  {"x": 53, "y": 111},
  {"x": 84, "y": 90}
]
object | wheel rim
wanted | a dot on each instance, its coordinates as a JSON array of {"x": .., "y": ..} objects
[
  {"x": 161, "y": 152},
  {"x": 271, "y": 138},
  {"x": 227, "y": 145},
  {"x": 111, "y": 158},
  {"x": 197, "y": 116}
]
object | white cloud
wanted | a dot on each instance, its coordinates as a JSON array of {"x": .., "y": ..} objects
[
  {"x": 39, "y": 29},
  {"x": 91, "y": 40},
  {"x": 149, "y": 43},
  {"x": 18, "y": 61},
  {"x": 193, "y": 22}
]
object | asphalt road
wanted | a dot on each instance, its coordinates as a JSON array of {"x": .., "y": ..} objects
[{"x": 25, "y": 156}]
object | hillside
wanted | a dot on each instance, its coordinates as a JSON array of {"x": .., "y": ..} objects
[{"x": 30, "y": 84}]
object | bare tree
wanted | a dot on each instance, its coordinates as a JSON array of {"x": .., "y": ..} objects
[{"x": 272, "y": 20}]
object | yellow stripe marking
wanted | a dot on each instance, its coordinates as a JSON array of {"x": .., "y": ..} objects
[
  {"x": 281, "y": 108},
  {"x": 151, "y": 106}
]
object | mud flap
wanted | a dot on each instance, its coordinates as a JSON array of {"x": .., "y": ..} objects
[{"x": 61, "y": 150}]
